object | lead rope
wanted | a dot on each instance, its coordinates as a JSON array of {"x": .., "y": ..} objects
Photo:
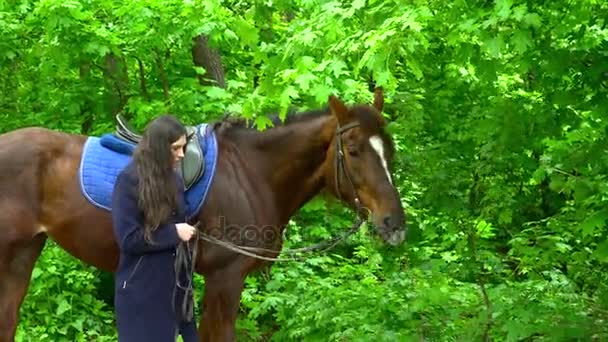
[
  {"x": 185, "y": 263},
  {"x": 323, "y": 246}
]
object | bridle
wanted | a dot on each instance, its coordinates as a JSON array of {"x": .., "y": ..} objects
[
  {"x": 186, "y": 252},
  {"x": 340, "y": 168}
]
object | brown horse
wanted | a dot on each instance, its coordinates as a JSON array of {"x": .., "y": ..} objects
[{"x": 262, "y": 178}]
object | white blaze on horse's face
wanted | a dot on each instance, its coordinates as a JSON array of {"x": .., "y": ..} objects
[{"x": 378, "y": 146}]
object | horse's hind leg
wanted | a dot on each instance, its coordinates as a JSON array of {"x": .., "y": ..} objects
[{"x": 17, "y": 260}]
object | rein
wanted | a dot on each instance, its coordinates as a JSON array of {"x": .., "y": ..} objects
[
  {"x": 322, "y": 246},
  {"x": 185, "y": 261}
]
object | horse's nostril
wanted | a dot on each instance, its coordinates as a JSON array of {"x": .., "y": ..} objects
[{"x": 387, "y": 221}]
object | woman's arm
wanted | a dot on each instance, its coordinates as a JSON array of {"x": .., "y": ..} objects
[{"x": 127, "y": 222}]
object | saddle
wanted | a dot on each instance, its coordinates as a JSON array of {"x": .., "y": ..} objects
[{"x": 193, "y": 163}]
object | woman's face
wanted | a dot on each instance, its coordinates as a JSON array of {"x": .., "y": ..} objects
[{"x": 177, "y": 150}]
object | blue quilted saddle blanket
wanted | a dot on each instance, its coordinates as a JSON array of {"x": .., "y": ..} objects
[{"x": 103, "y": 158}]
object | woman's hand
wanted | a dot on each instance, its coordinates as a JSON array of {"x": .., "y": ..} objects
[{"x": 185, "y": 231}]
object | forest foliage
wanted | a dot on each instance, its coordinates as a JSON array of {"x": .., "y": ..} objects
[{"x": 499, "y": 111}]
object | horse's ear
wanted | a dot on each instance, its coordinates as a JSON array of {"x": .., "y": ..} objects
[
  {"x": 379, "y": 104},
  {"x": 338, "y": 109},
  {"x": 379, "y": 99}
]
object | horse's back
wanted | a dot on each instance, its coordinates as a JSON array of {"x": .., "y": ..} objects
[
  {"x": 27, "y": 154},
  {"x": 26, "y": 144},
  {"x": 34, "y": 134}
]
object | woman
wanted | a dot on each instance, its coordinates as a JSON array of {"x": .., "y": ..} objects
[{"x": 148, "y": 211}]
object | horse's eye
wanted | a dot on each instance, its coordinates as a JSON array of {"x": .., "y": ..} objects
[{"x": 352, "y": 150}]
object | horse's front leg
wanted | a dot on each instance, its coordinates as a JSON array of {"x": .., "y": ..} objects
[{"x": 221, "y": 304}]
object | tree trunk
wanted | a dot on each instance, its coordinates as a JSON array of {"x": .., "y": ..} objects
[
  {"x": 142, "y": 79},
  {"x": 86, "y": 109},
  {"x": 116, "y": 71},
  {"x": 209, "y": 59}
]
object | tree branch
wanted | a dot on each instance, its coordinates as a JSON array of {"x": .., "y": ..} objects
[
  {"x": 163, "y": 74},
  {"x": 142, "y": 79}
]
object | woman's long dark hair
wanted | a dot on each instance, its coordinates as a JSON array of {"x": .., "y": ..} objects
[{"x": 157, "y": 196}]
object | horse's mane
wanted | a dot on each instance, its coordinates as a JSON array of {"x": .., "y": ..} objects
[
  {"x": 235, "y": 123},
  {"x": 238, "y": 128}
]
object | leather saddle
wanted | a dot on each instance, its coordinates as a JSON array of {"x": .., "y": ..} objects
[{"x": 193, "y": 163}]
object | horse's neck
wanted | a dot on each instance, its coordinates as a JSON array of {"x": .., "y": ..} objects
[{"x": 290, "y": 160}]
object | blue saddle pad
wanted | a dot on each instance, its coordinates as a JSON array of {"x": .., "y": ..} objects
[{"x": 103, "y": 158}]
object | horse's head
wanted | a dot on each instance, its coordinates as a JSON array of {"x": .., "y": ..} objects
[{"x": 360, "y": 174}]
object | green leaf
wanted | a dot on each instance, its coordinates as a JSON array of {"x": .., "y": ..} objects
[
  {"x": 538, "y": 176},
  {"x": 503, "y": 8},
  {"x": 246, "y": 31},
  {"x": 505, "y": 217},
  {"x": 338, "y": 67},
  {"x": 519, "y": 12},
  {"x": 557, "y": 182},
  {"x": 70, "y": 4},
  {"x": 494, "y": 46},
  {"x": 288, "y": 94},
  {"x": 532, "y": 20},
  {"x": 199, "y": 70},
  {"x": 321, "y": 67},
  {"x": 78, "y": 324},
  {"x": 217, "y": 93},
  {"x": 468, "y": 25},
  {"x": 521, "y": 40},
  {"x": 322, "y": 93},
  {"x": 228, "y": 33},
  {"x": 315, "y": 204},
  {"x": 592, "y": 223},
  {"x": 304, "y": 80},
  {"x": 484, "y": 230},
  {"x": 63, "y": 306},
  {"x": 262, "y": 122},
  {"x": 414, "y": 67},
  {"x": 382, "y": 77},
  {"x": 103, "y": 50},
  {"x": 601, "y": 252},
  {"x": 307, "y": 37},
  {"x": 582, "y": 190},
  {"x": 358, "y": 4}
]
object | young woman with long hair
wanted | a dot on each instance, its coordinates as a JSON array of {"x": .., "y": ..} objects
[{"x": 148, "y": 216}]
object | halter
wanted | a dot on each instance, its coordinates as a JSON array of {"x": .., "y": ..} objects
[{"x": 322, "y": 246}]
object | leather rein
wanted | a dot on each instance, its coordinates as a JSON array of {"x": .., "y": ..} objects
[{"x": 340, "y": 167}]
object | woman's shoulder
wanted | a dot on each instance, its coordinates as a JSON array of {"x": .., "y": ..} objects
[
  {"x": 127, "y": 175},
  {"x": 124, "y": 194}
]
